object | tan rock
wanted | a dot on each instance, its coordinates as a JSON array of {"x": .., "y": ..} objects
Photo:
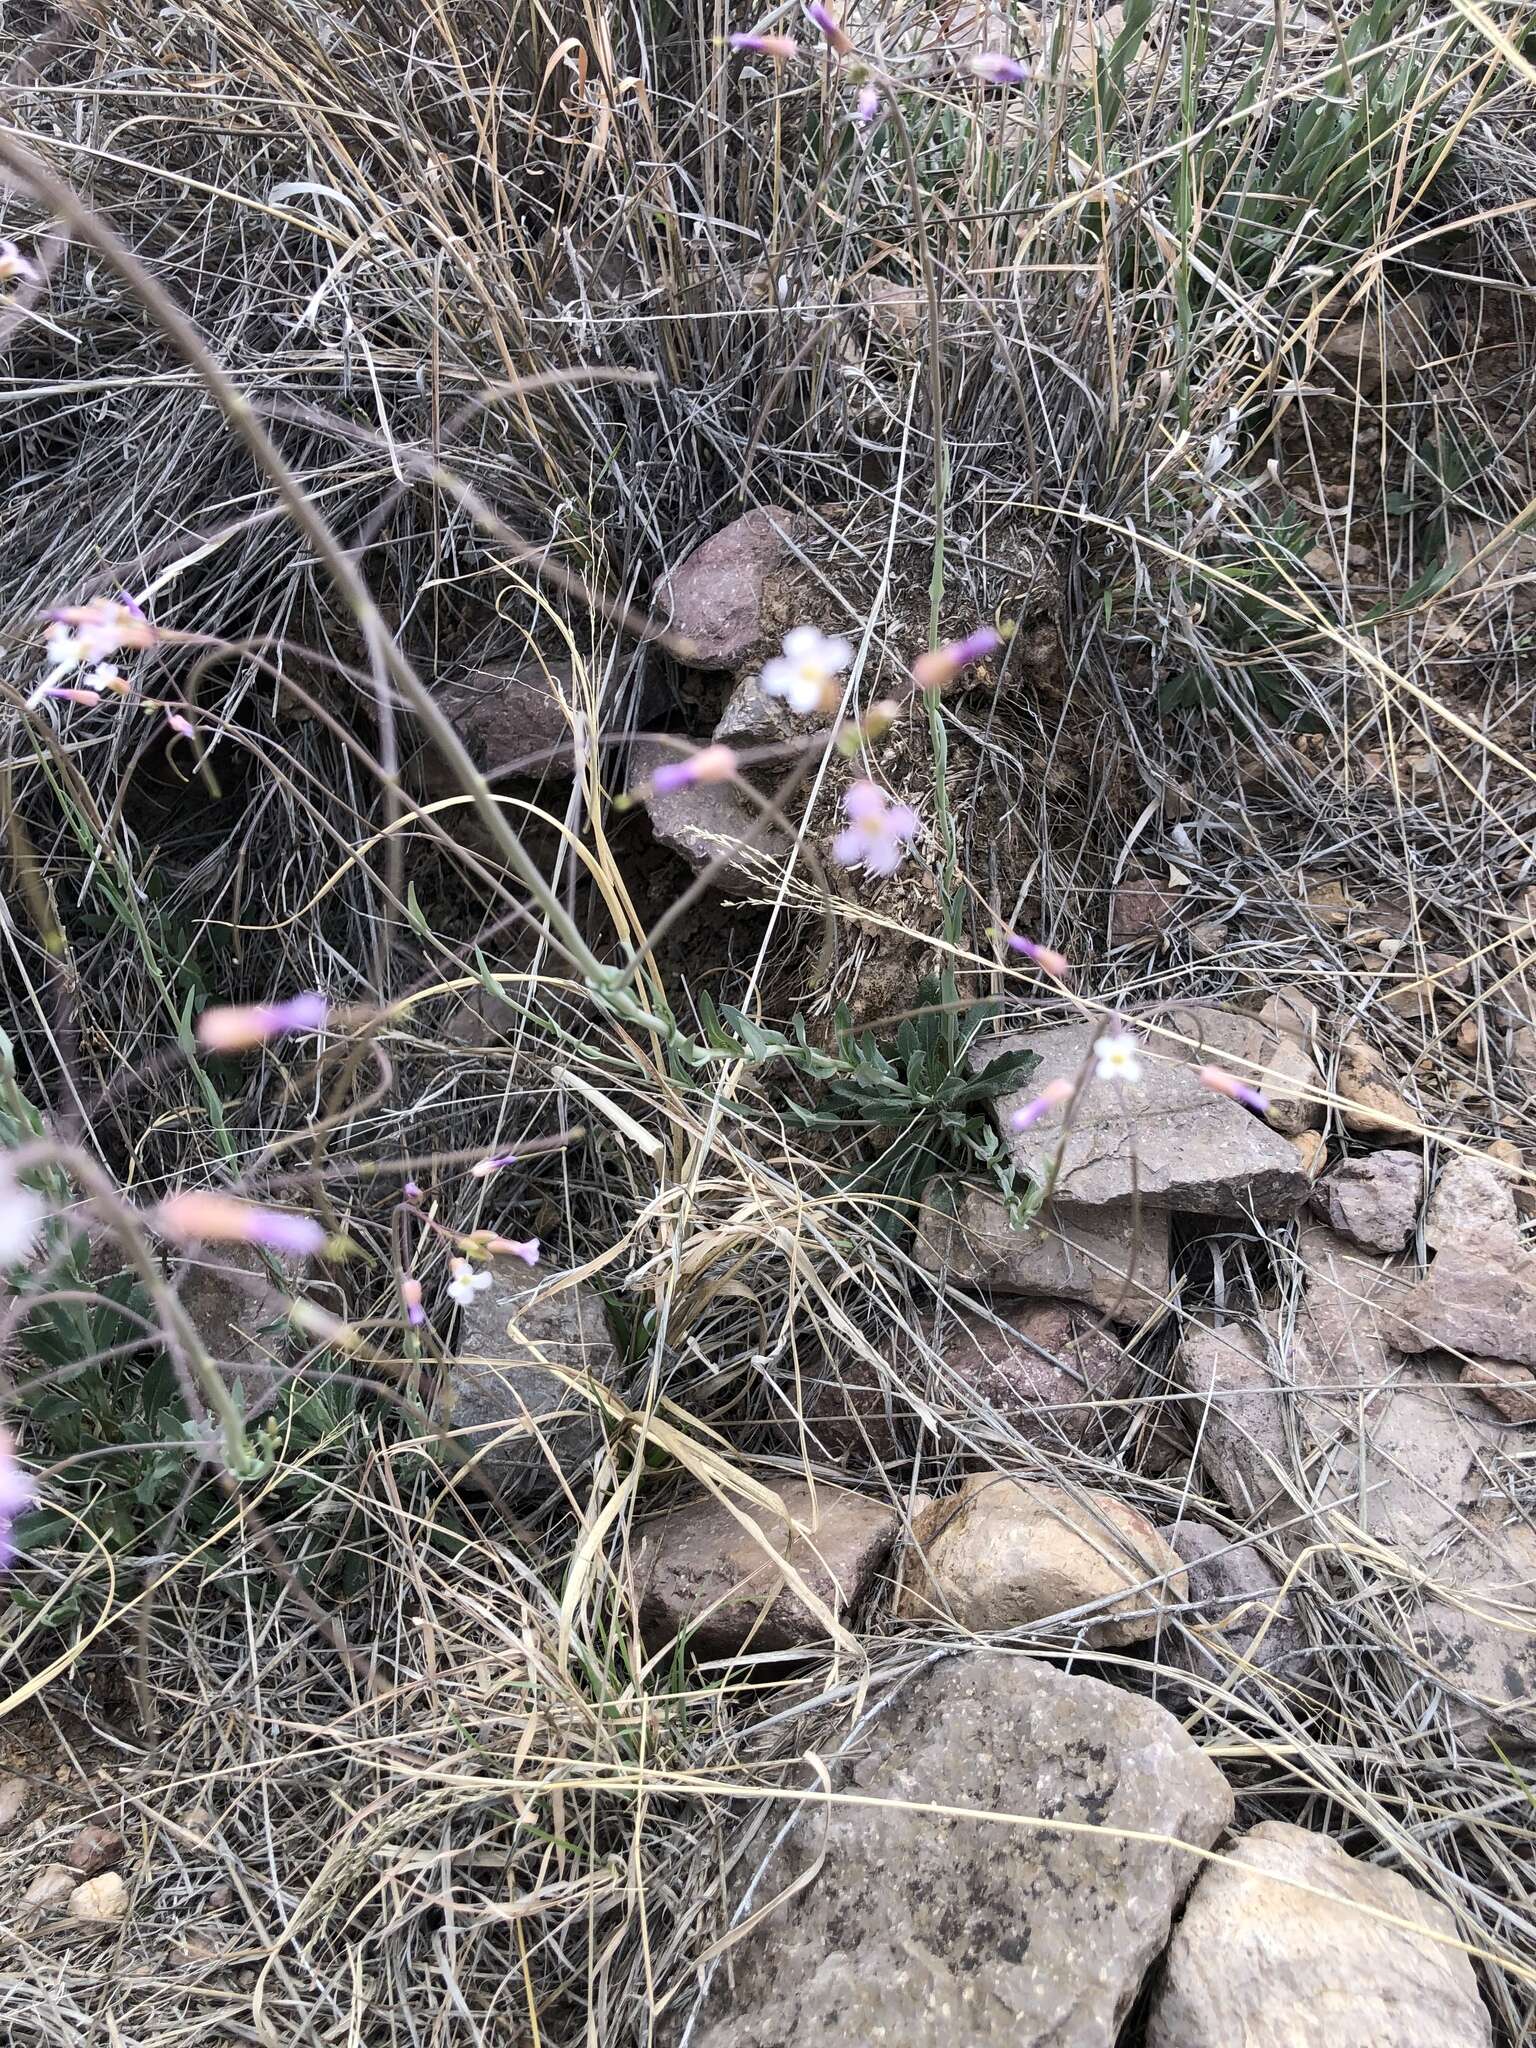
[
  {"x": 51, "y": 1888},
  {"x": 1312, "y": 1150},
  {"x": 726, "y": 1590},
  {"x": 1507, "y": 1154},
  {"x": 1264, "y": 1961},
  {"x": 1004, "y": 1553},
  {"x": 1508, "y": 1389},
  {"x": 99, "y": 1898},
  {"x": 1373, "y": 1105},
  {"x": 15, "y": 1799},
  {"x": 1472, "y": 1209}
]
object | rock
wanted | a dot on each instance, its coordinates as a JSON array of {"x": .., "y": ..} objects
[
  {"x": 1241, "y": 1621},
  {"x": 99, "y": 1898},
  {"x": 1372, "y": 1104},
  {"x": 1140, "y": 910},
  {"x": 1114, "y": 1260},
  {"x": 241, "y": 1314},
  {"x": 1372, "y": 1201},
  {"x": 1312, "y": 1151},
  {"x": 1479, "y": 1306},
  {"x": 732, "y": 597},
  {"x": 51, "y": 1888},
  {"x": 1318, "y": 1429},
  {"x": 94, "y": 1849},
  {"x": 1165, "y": 1138},
  {"x": 15, "y": 1800},
  {"x": 1046, "y": 1371},
  {"x": 512, "y": 718},
  {"x": 709, "y": 821},
  {"x": 1387, "y": 342},
  {"x": 897, "y": 1926},
  {"x": 1258, "y": 1961},
  {"x": 513, "y": 1398},
  {"x": 705, "y": 1578},
  {"x": 1006, "y": 1553},
  {"x": 1472, "y": 1210},
  {"x": 1291, "y": 1078},
  {"x": 1508, "y": 1389},
  {"x": 1505, "y": 1154}
]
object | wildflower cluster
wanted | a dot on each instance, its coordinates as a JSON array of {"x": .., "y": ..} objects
[{"x": 80, "y": 642}]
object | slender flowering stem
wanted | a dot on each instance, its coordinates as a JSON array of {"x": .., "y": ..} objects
[
  {"x": 1220, "y": 1082},
  {"x": 234, "y": 1027},
  {"x": 1055, "y": 1095}
]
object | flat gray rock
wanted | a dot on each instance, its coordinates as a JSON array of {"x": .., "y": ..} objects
[
  {"x": 1374, "y": 1200},
  {"x": 1241, "y": 1625},
  {"x": 923, "y": 1930},
  {"x": 1114, "y": 1260},
  {"x": 709, "y": 821},
  {"x": 1477, "y": 1304},
  {"x": 1164, "y": 1138},
  {"x": 513, "y": 1393},
  {"x": 1257, "y": 1959}
]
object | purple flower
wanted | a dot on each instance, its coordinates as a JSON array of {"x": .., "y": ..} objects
[
  {"x": 866, "y": 109},
  {"x": 411, "y": 1191},
  {"x": 232, "y": 1027},
  {"x": 484, "y": 1168},
  {"x": 876, "y": 832},
  {"x": 410, "y": 1294},
  {"x": 21, "y": 1218},
  {"x": 993, "y": 68},
  {"x": 822, "y": 17},
  {"x": 15, "y": 1496}
]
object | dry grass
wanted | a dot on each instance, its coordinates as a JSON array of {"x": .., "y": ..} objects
[{"x": 483, "y": 1815}]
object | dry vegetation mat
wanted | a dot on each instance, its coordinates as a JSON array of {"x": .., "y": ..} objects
[{"x": 768, "y": 1084}]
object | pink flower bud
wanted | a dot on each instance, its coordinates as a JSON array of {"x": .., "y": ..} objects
[
  {"x": 225, "y": 1219},
  {"x": 710, "y": 764},
  {"x": 233, "y": 1027},
  {"x": 1045, "y": 957},
  {"x": 1220, "y": 1082},
  {"x": 410, "y": 1294},
  {"x": 822, "y": 17},
  {"x": 933, "y": 670},
  {"x": 1054, "y": 1095},
  {"x": 484, "y": 1168},
  {"x": 867, "y": 107},
  {"x": 993, "y": 68},
  {"x": 15, "y": 1496},
  {"x": 767, "y": 46}
]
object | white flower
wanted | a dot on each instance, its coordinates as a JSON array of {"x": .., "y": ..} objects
[
  {"x": 805, "y": 674},
  {"x": 1117, "y": 1057},
  {"x": 876, "y": 832},
  {"x": 466, "y": 1282},
  {"x": 21, "y": 1218}
]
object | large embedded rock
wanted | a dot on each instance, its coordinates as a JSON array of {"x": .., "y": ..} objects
[
  {"x": 1049, "y": 1372},
  {"x": 514, "y": 718},
  {"x": 1241, "y": 1626},
  {"x": 1509, "y": 1390},
  {"x": 1114, "y": 1260},
  {"x": 1006, "y": 1553},
  {"x": 1166, "y": 1138},
  {"x": 916, "y": 1929},
  {"x": 1474, "y": 1305},
  {"x": 1373, "y": 1201},
  {"x": 1318, "y": 1428},
  {"x": 521, "y": 1394},
  {"x": 734, "y": 596},
  {"x": 1259, "y": 1958},
  {"x": 725, "y": 1584},
  {"x": 1473, "y": 1209}
]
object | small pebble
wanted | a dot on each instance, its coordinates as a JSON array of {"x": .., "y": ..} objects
[{"x": 99, "y": 1898}]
